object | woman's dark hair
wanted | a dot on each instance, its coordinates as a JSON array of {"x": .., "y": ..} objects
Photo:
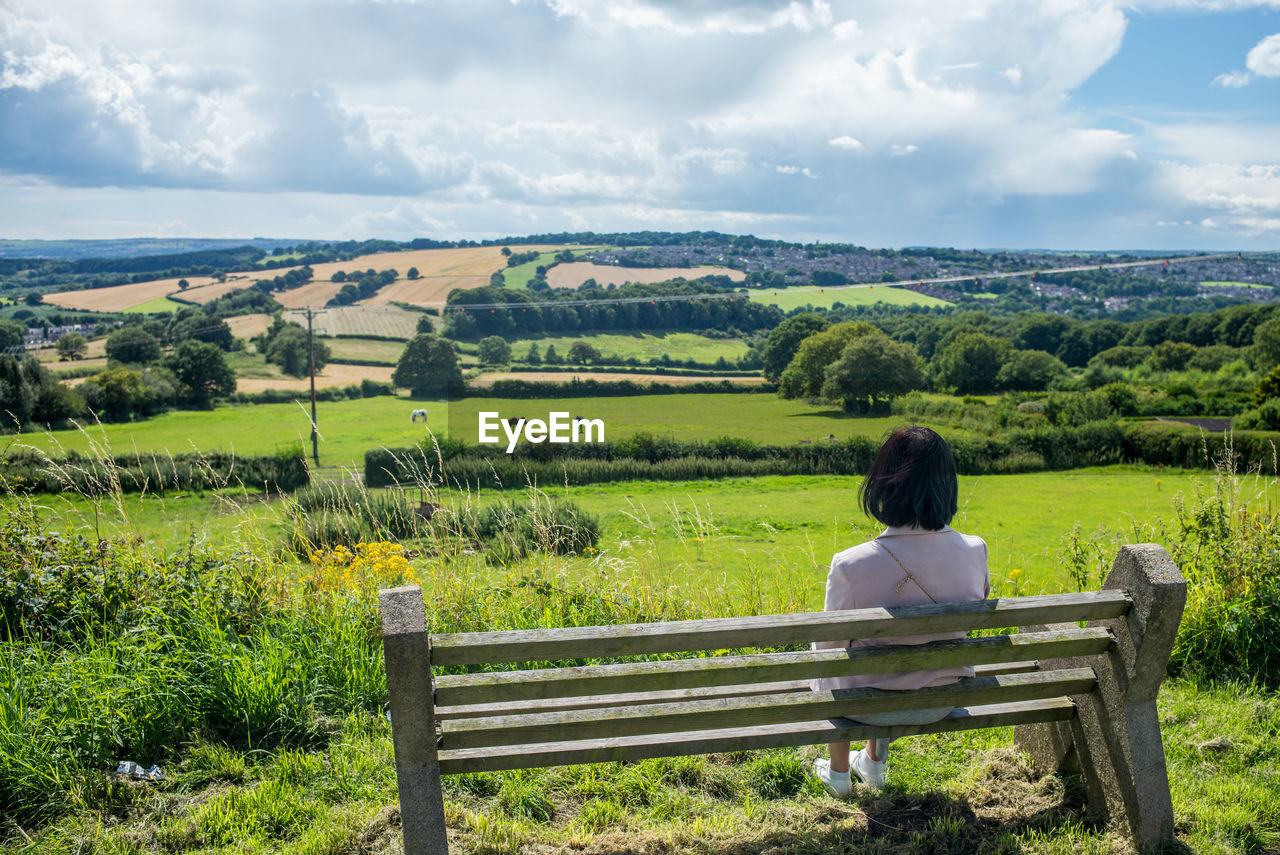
[{"x": 912, "y": 481}]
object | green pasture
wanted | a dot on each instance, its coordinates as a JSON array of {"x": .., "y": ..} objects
[
  {"x": 797, "y": 298},
  {"x": 159, "y": 304},
  {"x": 643, "y": 346},
  {"x": 1235, "y": 285},
  {"x": 519, "y": 276},
  {"x": 349, "y": 428},
  {"x": 718, "y": 541},
  {"x": 364, "y": 349}
]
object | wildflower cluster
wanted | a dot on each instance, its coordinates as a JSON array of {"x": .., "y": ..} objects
[{"x": 366, "y": 568}]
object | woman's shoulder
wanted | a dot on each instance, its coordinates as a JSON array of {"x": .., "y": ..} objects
[
  {"x": 854, "y": 555},
  {"x": 972, "y": 541}
]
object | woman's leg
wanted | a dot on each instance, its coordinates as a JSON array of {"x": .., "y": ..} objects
[
  {"x": 839, "y": 756},
  {"x": 878, "y": 749}
]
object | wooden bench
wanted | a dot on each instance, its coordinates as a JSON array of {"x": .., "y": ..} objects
[{"x": 1083, "y": 699}]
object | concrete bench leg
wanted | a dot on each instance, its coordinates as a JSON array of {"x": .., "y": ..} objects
[
  {"x": 1115, "y": 740},
  {"x": 406, "y": 649}
]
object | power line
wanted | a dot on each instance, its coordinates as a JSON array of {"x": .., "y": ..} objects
[{"x": 311, "y": 360}]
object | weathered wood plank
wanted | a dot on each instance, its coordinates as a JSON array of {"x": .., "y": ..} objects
[
  {"x": 612, "y": 749},
  {"x": 593, "y": 702},
  {"x": 596, "y": 642},
  {"x": 642, "y": 677},
  {"x": 759, "y": 710}
]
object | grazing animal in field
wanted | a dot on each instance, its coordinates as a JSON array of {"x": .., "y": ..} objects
[{"x": 418, "y": 414}]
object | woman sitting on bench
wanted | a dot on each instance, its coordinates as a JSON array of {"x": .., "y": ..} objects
[{"x": 917, "y": 559}]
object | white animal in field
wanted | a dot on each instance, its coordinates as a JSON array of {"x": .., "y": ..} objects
[{"x": 418, "y": 414}]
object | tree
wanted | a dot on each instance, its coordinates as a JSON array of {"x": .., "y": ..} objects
[
  {"x": 119, "y": 394},
  {"x": 497, "y": 280},
  {"x": 202, "y": 371},
  {"x": 1030, "y": 370},
  {"x": 17, "y": 396},
  {"x": 1266, "y": 345},
  {"x": 72, "y": 346},
  {"x": 780, "y": 347},
  {"x": 424, "y": 324},
  {"x": 11, "y": 333},
  {"x": 197, "y": 325},
  {"x": 873, "y": 370},
  {"x": 132, "y": 345},
  {"x": 533, "y": 357},
  {"x": 580, "y": 353},
  {"x": 413, "y": 273},
  {"x": 183, "y": 284},
  {"x": 428, "y": 366},
  {"x": 551, "y": 357},
  {"x": 807, "y": 372},
  {"x": 287, "y": 348},
  {"x": 970, "y": 362},
  {"x": 494, "y": 350},
  {"x": 1268, "y": 387},
  {"x": 1171, "y": 355}
]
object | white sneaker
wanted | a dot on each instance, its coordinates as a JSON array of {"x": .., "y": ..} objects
[
  {"x": 839, "y": 784},
  {"x": 870, "y": 772}
]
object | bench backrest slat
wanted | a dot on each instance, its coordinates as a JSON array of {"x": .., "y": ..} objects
[
  {"x": 631, "y": 677},
  {"x": 761, "y": 709},
  {"x": 594, "y": 642}
]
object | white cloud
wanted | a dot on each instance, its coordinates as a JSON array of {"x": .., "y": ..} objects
[
  {"x": 1013, "y": 74},
  {"x": 689, "y": 19},
  {"x": 845, "y": 142},
  {"x": 1264, "y": 59},
  {"x": 900, "y": 150},
  {"x": 1232, "y": 79}
]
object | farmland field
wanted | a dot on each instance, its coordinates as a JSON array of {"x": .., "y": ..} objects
[
  {"x": 386, "y": 321},
  {"x": 247, "y": 326},
  {"x": 677, "y": 345},
  {"x": 365, "y": 349},
  {"x": 117, "y": 298},
  {"x": 574, "y": 274},
  {"x": 795, "y": 298},
  {"x": 94, "y": 348},
  {"x": 213, "y": 290},
  {"x": 489, "y": 379},
  {"x": 159, "y": 304},
  {"x": 352, "y": 427}
]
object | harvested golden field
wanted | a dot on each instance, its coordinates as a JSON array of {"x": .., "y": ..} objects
[
  {"x": 574, "y": 274},
  {"x": 120, "y": 297},
  {"x": 606, "y": 376},
  {"x": 314, "y": 294},
  {"x": 442, "y": 271},
  {"x": 332, "y": 375},
  {"x": 212, "y": 291},
  {"x": 247, "y": 326}
]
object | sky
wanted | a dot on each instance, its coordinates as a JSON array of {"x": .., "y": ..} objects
[{"x": 1061, "y": 124}]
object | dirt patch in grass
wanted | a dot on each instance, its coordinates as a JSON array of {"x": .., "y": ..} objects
[{"x": 574, "y": 274}]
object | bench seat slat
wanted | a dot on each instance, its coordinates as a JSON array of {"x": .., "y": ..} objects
[
  {"x": 741, "y": 738},
  {"x": 758, "y": 710},
  {"x": 594, "y": 642},
  {"x": 638, "y": 677},
  {"x": 623, "y": 700}
]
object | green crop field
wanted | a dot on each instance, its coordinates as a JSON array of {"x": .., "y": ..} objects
[
  {"x": 519, "y": 276},
  {"x": 349, "y": 428},
  {"x": 795, "y": 298},
  {"x": 365, "y": 349},
  {"x": 643, "y": 346},
  {"x": 160, "y": 304}
]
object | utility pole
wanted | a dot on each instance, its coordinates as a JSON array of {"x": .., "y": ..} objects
[{"x": 311, "y": 361}]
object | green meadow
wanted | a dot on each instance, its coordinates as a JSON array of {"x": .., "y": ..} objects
[
  {"x": 349, "y": 428},
  {"x": 642, "y": 346},
  {"x": 788, "y": 299},
  {"x": 159, "y": 304}
]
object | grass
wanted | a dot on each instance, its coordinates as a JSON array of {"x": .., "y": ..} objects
[
  {"x": 365, "y": 349},
  {"x": 642, "y": 346},
  {"x": 519, "y": 276},
  {"x": 349, "y": 428},
  {"x": 160, "y": 304},
  {"x": 382, "y": 321},
  {"x": 796, "y": 298},
  {"x": 260, "y": 692}
]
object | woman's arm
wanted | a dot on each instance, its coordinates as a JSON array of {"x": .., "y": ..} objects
[{"x": 840, "y": 596}]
